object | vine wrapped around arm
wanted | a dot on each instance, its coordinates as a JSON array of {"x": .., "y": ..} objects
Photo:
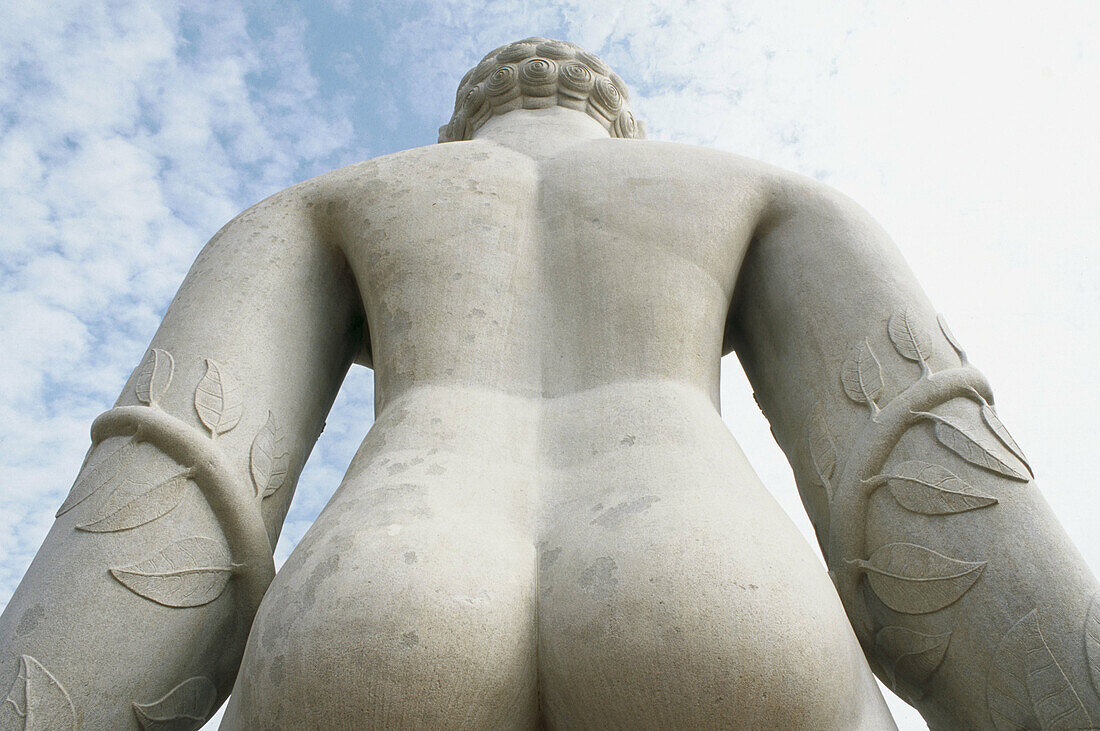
[
  {"x": 965, "y": 592},
  {"x": 136, "y": 609}
]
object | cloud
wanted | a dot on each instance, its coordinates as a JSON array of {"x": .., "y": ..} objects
[{"x": 130, "y": 134}]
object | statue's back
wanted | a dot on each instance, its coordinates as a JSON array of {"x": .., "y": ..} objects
[
  {"x": 609, "y": 261},
  {"x": 548, "y": 472}
]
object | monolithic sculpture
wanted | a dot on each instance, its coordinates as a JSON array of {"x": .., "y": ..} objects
[{"x": 549, "y": 521}]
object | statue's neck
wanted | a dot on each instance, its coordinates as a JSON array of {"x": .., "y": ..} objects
[{"x": 541, "y": 132}]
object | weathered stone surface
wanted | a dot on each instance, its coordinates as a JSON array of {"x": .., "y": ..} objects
[{"x": 549, "y": 521}]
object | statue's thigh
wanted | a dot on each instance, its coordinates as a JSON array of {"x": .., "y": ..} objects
[
  {"x": 665, "y": 604},
  {"x": 404, "y": 606}
]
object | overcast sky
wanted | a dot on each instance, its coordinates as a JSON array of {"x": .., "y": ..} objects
[{"x": 130, "y": 132}]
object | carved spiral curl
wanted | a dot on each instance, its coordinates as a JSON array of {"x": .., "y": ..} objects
[
  {"x": 502, "y": 81},
  {"x": 556, "y": 50},
  {"x": 476, "y": 105},
  {"x": 620, "y": 85},
  {"x": 538, "y": 77},
  {"x": 516, "y": 52},
  {"x": 606, "y": 98},
  {"x": 480, "y": 72},
  {"x": 537, "y": 73},
  {"x": 576, "y": 79},
  {"x": 593, "y": 62},
  {"x": 625, "y": 126}
]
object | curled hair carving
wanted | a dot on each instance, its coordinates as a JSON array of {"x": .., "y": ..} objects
[{"x": 536, "y": 73}]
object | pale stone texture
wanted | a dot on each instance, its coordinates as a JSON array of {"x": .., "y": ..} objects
[{"x": 549, "y": 522}]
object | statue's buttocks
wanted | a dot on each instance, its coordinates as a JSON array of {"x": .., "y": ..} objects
[
  {"x": 592, "y": 551},
  {"x": 549, "y": 511}
]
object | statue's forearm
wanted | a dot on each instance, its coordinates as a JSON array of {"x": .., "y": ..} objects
[
  {"x": 960, "y": 583},
  {"x": 138, "y": 605}
]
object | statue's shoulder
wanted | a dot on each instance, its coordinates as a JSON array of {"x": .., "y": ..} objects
[
  {"x": 677, "y": 163},
  {"x": 722, "y": 178},
  {"x": 399, "y": 168},
  {"x": 377, "y": 173},
  {"x": 708, "y": 177},
  {"x": 782, "y": 191},
  {"x": 687, "y": 155}
]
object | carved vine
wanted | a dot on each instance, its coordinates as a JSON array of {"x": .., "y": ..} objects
[
  {"x": 907, "y": 578},
  {"x": 195, "y": 570}
]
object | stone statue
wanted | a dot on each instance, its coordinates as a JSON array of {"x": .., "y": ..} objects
[{"x": 549, "y": 522}]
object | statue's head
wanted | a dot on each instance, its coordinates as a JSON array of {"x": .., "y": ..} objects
[{"x": 536, "y": 73}]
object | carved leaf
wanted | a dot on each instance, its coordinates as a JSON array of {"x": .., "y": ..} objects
[
  {"x": 99, "y": 475},
  {"x": 184, "y": 708},
  {"x": 912, "y": 579},
  {"x": 268, "y": 468},
  {"x": 1027, "y": 688},
  {"x": 282, "y": 467},
  {"x": 1056, "y": 703},
  {"x": 997, "y": 427},
  {"x": 951, "y": 337},
  {"x": 933, "y": 490},
  {"x": 39, "y": 698},
  {"x": 914, "y": 655},
  {"x": 1092, "y": 641},
  {"x": 972, "y": 445},
  {"x": 861, "y": 376},
  {"x": 822, "y": 447},
  {"x": 147, "y": 506},
  {"x": 188, "y": 573},
  {"x": 909, "y": 338},
  {"x": 154, "y": 376},
  {"x": 218, "y": 399},
  {"x": 1006, "y": 685}
]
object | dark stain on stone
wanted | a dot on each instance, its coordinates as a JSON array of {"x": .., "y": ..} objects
[
  {"x": 392, "y": 504},
  {"x": 410, "y": 557},
  {"x": 616, "y": 516},
  {"x": 599, "y": 580},
  {"x": 324, "y": 570},
  {"x": 275, "y": 672},
  {"x": 410, "y": 639},
  {"x": 30, "y": 619},
  {"x": 547, "y": 558}
]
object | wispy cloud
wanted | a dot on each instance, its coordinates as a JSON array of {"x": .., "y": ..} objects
[{"x": 129, "y": 136}]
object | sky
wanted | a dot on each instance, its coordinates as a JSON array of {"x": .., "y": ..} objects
[{"x": 130, "y": 132}]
